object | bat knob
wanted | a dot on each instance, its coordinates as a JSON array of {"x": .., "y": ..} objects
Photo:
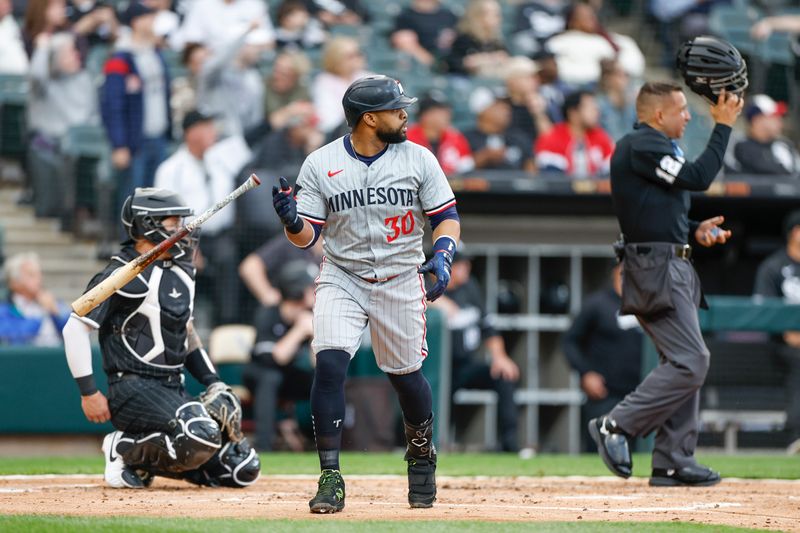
[
  {"x": 255, "y": 179},
  {"x": 284, "y": 184}
]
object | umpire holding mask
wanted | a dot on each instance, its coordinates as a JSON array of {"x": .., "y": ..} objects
[{"x": 651, "y": 184}]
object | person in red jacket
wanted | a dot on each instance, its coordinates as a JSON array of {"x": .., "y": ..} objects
[
  {"x": 578, "y": 147},
  {"x": 434, "y": 131}
]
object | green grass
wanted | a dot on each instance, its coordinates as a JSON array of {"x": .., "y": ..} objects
[
  {"x": 48, "y": 524},
  {"x": 745, "y": 466}
]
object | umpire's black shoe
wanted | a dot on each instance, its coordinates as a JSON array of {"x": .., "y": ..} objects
[
  {"x": 330, "y": 494},
  {"x": 612, "y": 445},
  {"x": 688, "y": 476}
]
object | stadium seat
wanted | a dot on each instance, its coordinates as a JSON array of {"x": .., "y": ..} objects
[
  {"x": 229, "y": 348},
  {"x": 13, "y": 123},
  {"x": 486, "y": 399},
  {"x": 231, "y": 343}
]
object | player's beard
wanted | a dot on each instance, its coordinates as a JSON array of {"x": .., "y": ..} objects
[{"x": 392, "y": 136}]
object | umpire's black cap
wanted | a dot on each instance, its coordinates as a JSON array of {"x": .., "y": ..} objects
[{"x": 293, "y": 278}]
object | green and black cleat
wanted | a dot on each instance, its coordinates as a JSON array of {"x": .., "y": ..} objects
[
  {"x": 421, "y": 482},
  {"x": 330, "y": 494}
]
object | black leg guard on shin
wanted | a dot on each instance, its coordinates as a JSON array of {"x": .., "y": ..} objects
[
  {"x": 421, "y": 457},
  {"x": 235, "y": 465},
  {"x": 192, "y": 440}
]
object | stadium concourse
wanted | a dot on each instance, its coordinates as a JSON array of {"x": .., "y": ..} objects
[{"x": 758, "y": 504}]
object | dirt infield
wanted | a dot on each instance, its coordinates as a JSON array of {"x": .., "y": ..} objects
[{"x": 768, "y": 504}]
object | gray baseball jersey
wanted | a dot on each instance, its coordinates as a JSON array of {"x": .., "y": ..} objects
[{"x": 373, "y": 215}]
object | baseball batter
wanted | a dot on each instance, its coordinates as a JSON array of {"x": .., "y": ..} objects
[{"x": 367, "y": 194}]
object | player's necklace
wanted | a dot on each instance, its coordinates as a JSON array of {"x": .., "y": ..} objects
[{"x": 353, "y": 147}]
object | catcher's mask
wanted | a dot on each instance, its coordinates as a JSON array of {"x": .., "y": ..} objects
[
  {"x": 144, "y": 211},
  {"x": 710, "y": 64}
]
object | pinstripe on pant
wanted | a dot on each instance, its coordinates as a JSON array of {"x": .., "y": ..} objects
[
  {"x": 394, "y": 309},
  {"x": 140, "y": 405}
]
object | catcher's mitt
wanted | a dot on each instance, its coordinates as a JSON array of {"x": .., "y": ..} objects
[{"x": 224, "y": 407}]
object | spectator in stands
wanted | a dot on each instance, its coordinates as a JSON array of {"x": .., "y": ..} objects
[
  {"x": 470, "y": 328},
  {"x": 578, "y": 147},
  {"x": 135, "y": 103},
  {"x": 434, "y": 131},
  {"x": 494, "y": 145},
  {"x": 535, "y": 22},
  {"x": 230, "y": 85},
  {"x": 424, "y": 29},
  {"x": 188, "y": 173},
  {"x": 528, "y": 107},
  {"x": 62, "y": 93},
  {"x": 479, "y": 49},
  {"x": 286, "y": 89},
  {"x": 99, "y": 19},
  {"x": 765, "y": 151},
  {"x": 284, "y": 150},
  {"x": 282, "y": 366},
  {"x": 259, "y": 269},
  {"x": 680, "y": 21},
  {"x": 296, "y": 28},
  {"x": 616, "y": 97},
  {"x": 778, "y": 276},
  {"x": 551, "y": 86},
  {"x": 585, "y": 42},
  {"x": 339, "y": 12},
  {"x": 43, "y": 16},
  {"x": 13, "y": 59},
  {"x": 32, "y": 315},
  {"x": 606, "y": 350},
  {"x": 183, "y": 89},
  {"x": 215, "y": 23},
  {"x": 762, "y": 29},
  {"x": 342, "y": 64},
  {"x": 50, "y": 16}
]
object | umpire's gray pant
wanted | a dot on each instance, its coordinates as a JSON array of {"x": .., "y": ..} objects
[{"x": 668, "y": 400}]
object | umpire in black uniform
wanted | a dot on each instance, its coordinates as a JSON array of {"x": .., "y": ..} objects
[{"x": 650, "y": 186}]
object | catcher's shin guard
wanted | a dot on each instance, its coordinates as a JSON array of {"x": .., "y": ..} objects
[
  {"x": 192, "y": 440},
  {"x": 421, "y": 457},
  {"x": 235, "y": 465}
]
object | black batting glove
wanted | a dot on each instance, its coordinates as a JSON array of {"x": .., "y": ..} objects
[
  {"x": 286, "y": 207},
  {"x": 439, "y": 265}
]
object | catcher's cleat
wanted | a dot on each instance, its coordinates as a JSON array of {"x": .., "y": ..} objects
[
  {"x": 330, "y": 494},
  {"x": 421, "y": 482},
  {"x": 117, "y": 474}
]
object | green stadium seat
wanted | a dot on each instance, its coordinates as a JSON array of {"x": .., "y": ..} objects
[{"x": 13, "y": 123}]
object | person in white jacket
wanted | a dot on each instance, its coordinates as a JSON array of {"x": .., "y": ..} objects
[
  {"x": 13, "y": 59},
  {"x": 585, "y": 43}
]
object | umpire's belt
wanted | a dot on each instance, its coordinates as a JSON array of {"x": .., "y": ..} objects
[{"x": 681, "y": 251}]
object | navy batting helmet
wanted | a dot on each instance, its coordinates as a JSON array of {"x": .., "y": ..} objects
[
  {"x": 710, "y": 64},
  {"x": 373, "y": 93}
]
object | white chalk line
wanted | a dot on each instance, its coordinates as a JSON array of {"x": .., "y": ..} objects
[{"x": 369, "y": 477}]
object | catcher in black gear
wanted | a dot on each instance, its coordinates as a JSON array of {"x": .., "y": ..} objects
[{"x": 147, "y": 339}]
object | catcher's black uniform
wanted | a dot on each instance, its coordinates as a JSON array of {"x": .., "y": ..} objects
[{"x": 145, "y": 346}]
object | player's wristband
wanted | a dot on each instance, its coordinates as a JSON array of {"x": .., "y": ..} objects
[
  {"x": 296, "y": 226},
  {"x": 86, "y": 385},
  {"x": 445, "y": 244}
]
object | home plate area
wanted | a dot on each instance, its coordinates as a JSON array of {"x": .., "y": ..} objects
[{"x": 769, "y": 504}]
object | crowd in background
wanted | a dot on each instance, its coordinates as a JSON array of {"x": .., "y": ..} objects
[{"x": 193, "y": 95}]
